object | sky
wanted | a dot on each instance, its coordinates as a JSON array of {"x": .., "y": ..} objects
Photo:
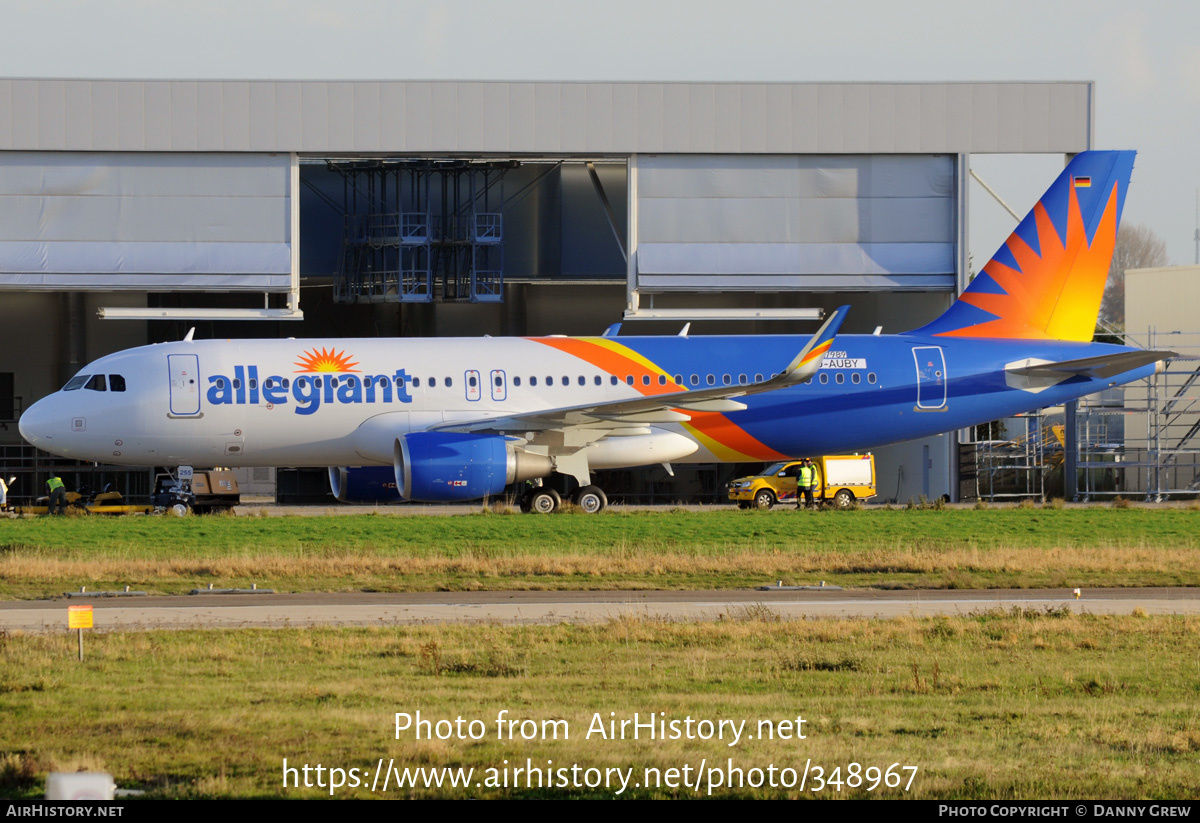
[{"x": 1143, "y": 57}]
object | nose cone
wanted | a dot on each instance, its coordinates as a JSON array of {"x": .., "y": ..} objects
[{"x": 41, "y": 424}]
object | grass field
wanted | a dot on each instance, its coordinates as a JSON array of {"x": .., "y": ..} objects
[
  {"x": 1000, "y": 705},
  {"x": 1013, "y": 547},
  {"x": 1011, "y": 705}
]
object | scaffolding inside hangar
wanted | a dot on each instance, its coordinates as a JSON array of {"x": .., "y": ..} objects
[{"x": 421, "y": 231}]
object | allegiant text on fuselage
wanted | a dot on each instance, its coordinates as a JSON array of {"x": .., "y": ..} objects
[{"x": 308, "y": 391}]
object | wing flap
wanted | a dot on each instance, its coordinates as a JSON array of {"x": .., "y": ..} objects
[{"x": 722, "y": 405}]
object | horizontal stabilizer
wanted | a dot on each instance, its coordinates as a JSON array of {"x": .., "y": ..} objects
[{"x": 1102, "y": 367}]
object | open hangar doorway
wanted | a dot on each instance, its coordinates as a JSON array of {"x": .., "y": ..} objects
[{"x": 443, "y": 246}]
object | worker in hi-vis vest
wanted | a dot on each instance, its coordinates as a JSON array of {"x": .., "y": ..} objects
[
  {"x": 58, "y": 495},
  {"x": 805, "y": 479}
]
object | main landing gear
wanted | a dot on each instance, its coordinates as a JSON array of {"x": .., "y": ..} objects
[
  {"x": 591, "y": 499},
  {"x": 543, "y": 500},
  {"x": 540, "y": 501}
]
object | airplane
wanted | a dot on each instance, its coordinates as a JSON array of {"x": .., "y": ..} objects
[{"x": 445, "y": 419}]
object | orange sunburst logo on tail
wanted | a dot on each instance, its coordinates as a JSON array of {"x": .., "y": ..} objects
[
  {"x": 1047, "y": 280},
  {"x": 1054, "y": 292},
  {"x": 325, "y": 360}
]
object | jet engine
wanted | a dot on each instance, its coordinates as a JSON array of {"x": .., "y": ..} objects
[
  {"x": 443, "y": 466},
  {"x": 364, "y": 484}
]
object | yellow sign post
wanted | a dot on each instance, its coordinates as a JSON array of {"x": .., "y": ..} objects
[{"x": 79, "y": 617}]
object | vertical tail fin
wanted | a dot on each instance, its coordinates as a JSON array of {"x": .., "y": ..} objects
[{"x": 1047, "y": 280}]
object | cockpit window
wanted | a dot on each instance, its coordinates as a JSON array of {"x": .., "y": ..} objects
[
  {"x": 76, "y": 382},
  {"x": 116, "y": 382},
  {"x": 96, "y": 383}
]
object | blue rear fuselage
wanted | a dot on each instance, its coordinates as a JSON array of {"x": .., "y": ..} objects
[{"x": 875, "y": 390}]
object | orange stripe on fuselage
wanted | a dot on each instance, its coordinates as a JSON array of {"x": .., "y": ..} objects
[
  {"x": 619, "y": 361},
  {"x": 716, "y": 432},
  {"x": 727, "y": 440}
]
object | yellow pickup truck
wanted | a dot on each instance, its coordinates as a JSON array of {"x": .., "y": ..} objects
[{"x": 841, "y": 480}]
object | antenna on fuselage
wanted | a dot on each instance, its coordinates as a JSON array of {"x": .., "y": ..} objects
[{"x": 187, "y": 338}]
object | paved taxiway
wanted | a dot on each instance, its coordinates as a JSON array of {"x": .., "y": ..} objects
[{"x": 380, "y": 609}]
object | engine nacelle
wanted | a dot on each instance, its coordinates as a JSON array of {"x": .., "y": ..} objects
[
  {"x": 364, "y": 484},
  {"x": 437, "y": 467}
]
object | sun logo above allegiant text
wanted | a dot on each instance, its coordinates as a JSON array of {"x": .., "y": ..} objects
[{"x": 326, "y": 360}]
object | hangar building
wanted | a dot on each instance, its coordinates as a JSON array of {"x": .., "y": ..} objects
[{"x": 135, "y": 209}]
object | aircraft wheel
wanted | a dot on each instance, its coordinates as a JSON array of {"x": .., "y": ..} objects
[
  {"x": 764, "y": 500},
  {"x": 591, "y": 499},
  {"x": 525, "y": 504},
  {"x": 844, "y": 499},
  {"x": 544, "y": 501},
  {"x": 179, "y": 510}
]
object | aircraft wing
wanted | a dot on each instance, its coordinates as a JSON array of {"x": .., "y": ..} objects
[
  {"x": 1100, "y": 367},
  {"x": 671, "y": 407}
]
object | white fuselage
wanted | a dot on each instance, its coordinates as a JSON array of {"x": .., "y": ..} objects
[
  {"x": 345, "y": 402},
  {"x": 259, "y": 403}
]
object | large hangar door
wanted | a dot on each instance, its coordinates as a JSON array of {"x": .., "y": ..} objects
[
  {"x": 788, "y": 222},
  {"x": 148, "y": 222}
]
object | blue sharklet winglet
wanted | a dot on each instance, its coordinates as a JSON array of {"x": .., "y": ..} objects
[{"x": 808, "y": 361}]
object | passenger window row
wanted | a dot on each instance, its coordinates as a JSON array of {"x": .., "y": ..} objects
[
  {"x": 334, "y": 382},
  {"x": 630, "y": 380},
  {"x": 565, "y": 380},
  {"x": 116, "y": 382},
  {"x": 646, "y": 380},
  {"x": 840, "y": 378}
]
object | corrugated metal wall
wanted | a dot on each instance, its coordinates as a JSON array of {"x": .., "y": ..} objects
[
  {"x": 833, "y": 222},
  {"x": 160, "y": 222},
  {"x": 808, "y": 186},
  {"x": 547, "y": 117}
]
